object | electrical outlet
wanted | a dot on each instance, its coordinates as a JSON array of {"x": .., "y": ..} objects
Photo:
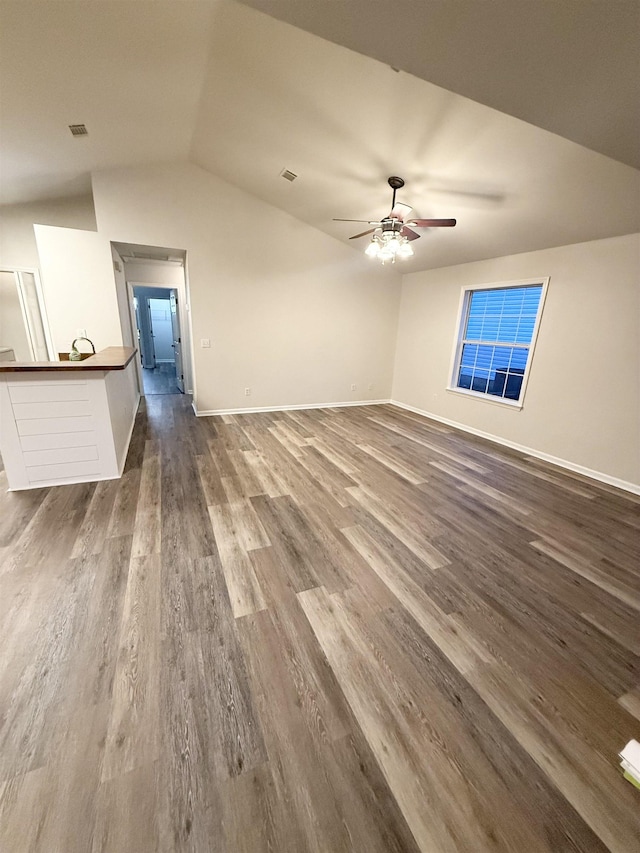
[
  {"x": 370, "y": 386},
  {"x": 247, "y": 392},
  {"x": 353, "y": 387},
  {"x": 205, "y": 343},
  {"x": 81, "y": 333}
]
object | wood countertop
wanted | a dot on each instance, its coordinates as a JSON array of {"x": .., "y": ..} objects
[{"x": 111, "y": 358}]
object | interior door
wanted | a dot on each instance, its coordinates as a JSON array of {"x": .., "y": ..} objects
[
  {"x": 177, "y": 340},
  {"x": 143, "y": 327},
  {"x": 151, "y": 358}
]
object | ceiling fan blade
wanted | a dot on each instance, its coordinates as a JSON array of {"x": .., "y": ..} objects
[
  {"x": 433, "y": 223},
  {"x": 409, "y": 234},
  {"x": 368, "y": 221},
  {"x": 400, "y": 211},
  {"x": 355, "y": 236}
]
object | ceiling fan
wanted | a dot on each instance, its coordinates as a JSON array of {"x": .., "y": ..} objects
[{"x": 392, "y": 235}]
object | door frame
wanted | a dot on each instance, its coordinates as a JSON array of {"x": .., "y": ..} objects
[{"x": 183, "y": 325}]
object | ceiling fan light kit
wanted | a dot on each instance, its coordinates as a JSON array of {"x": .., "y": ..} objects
[
  {"x": 387, "y": 246},
  {"x": 392, "y": 235}
]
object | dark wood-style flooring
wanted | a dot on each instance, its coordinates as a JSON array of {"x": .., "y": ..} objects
[{"x": 324, "y": 631}]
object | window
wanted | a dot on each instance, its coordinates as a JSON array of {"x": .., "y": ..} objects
[{"x": 497, "y": 331}]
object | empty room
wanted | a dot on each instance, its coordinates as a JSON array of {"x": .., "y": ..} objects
[{"x": 319, "y": 426}]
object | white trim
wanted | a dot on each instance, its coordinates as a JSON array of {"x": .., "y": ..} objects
[
  {"x": 294, "y": 408},
  {"x": 528, "y": 451},
  {"x": 486, "y": 398},
  {"x": 461, "y": 325}
]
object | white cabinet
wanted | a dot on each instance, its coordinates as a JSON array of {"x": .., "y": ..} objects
[{"x": 66, "y": 427}]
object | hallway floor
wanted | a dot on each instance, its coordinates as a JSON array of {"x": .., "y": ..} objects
[{"x": 160, "y": 380}]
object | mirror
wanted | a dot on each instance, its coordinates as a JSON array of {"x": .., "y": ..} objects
[{"x": 23, "y": 329}]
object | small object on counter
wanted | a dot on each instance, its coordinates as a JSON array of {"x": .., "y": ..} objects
[{"x": 75, "y": 354}]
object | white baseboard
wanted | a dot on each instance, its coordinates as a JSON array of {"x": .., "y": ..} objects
[
  {"x": 300, "y": 408},
  {"x": 528, "y": 451}
]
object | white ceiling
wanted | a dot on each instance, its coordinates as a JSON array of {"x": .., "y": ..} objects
[
  {"x": 244, "y": 96},
  {"x": 569, "y": 66},
  {"x": 131, "y": 71}
]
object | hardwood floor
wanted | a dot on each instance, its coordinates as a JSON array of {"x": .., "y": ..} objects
[
  {"x": 160, "y": 379},
  {"x": 333, "y": 630}
]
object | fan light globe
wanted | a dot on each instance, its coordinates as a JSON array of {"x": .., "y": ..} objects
[
  {"x": 372, "y": 249},
  {"x": 405, "y": 251}
]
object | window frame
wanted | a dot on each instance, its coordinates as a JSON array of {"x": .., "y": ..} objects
[{"x": 467, "y": 291}]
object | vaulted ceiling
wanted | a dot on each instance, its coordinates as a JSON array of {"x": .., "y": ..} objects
[
  {"x": 568, "y": 66},
  {"x": 245, "y": 96}
]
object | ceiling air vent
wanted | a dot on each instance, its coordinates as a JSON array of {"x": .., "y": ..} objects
[
  {"x": 78, "y": 130},
  {"x": 287, "y": 175}
]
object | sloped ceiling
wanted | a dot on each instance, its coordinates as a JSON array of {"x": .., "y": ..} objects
[
  {"x": 568, "y": 66},
  {"x": 131, "y": 71},
  {"x": 244, "y": 95}
]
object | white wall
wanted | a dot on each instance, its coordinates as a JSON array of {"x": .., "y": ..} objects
[
  {"x": 17, "y": 239},
  {"x": 290, "y": 312},
  {"x": 158, "y": 272},
  {"x": 584, "y": 410},
  {"x": 79, "y": 286}
]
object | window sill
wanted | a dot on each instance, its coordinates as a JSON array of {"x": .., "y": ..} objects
[{"x": 487, "y": 398}]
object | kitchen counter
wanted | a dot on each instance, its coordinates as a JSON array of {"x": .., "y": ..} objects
[
  {"x": 111, "y": 358},
  {"x": 67, "y": 421}
]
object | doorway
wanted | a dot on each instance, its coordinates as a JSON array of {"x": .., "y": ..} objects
[
  {"x": 157, "y": 317},
  {"x": 152, "y": 287}
]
